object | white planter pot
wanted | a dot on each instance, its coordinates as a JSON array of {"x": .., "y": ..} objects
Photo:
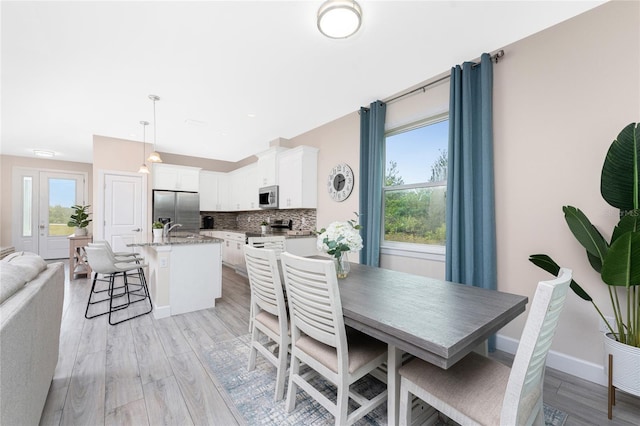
[
  {"x": 80, "y": 232},
  {"x": 263, "y": 228},
  {"x": 157, "y": 234},
  {"x": 626, "y": 365}
]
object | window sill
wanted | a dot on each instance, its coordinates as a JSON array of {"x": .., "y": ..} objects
[{"x": 416, "y": 251}]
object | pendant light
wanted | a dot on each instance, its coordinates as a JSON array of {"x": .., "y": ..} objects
[
  {"x": 143, "y": 168},
  {"x": 154, "y": 157}
]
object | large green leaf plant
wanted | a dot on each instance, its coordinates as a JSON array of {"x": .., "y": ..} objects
[
  {"x": 618, "y": 260},
  {"x": 80, "y": 217}
]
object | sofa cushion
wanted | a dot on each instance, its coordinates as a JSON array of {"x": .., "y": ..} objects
[
  {"x": 12, "y": 279},
  {"x": 16, "y": 270}
]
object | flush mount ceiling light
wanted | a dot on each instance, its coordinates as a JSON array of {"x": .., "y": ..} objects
[
  {"x": 41, "y": 153},
  {"x": 154, "y": 157},
  {"x": 339, "y": 18},
  {"x": 143, "y": 168}
]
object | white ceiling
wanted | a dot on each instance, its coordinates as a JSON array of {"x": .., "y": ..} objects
[{"x": 71, "y": 70}]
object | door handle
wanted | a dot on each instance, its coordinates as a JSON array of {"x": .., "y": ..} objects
[
  {"x": 41, "y": 226},
  {"x": 136, "y": 230}
]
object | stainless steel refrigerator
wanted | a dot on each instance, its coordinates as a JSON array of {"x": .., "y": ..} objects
[{"x": 178, "y": 207}]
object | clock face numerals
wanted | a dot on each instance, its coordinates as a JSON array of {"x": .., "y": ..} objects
[{"x": 340, "y": 182}]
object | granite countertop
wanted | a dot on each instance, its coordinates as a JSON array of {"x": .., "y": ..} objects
[
  {"x": 256, "y": 232},
  {"x": 176, "y": 241}
]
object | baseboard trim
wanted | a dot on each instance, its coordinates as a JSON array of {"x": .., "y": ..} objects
[
  {"x": 161, "y": 311},
  {"x": 566, "y": 363}
]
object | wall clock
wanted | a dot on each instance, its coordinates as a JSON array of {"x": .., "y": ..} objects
[{"x": 340, "y": 182}]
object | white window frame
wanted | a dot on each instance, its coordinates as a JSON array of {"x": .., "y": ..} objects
[{"x": 394, "y": 248}]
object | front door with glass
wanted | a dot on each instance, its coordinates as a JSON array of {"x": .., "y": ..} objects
[{"x": 42, "y": 203}]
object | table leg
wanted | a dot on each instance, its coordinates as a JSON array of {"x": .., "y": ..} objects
[{"x": 394, "y": 362}]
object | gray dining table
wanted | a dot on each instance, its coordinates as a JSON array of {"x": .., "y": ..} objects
[{"x": 438, "y": 321}]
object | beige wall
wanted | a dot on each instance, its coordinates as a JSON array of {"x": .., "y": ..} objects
[
  {"x": 338, "y": 142},
  {"x": 118, "y": 155},
  {"x": 7, "y": 163},
  {"x": 560, "y": 97}
]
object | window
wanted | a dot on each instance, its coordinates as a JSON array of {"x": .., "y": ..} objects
[
  {"x": 414, "y": 187},
  {"x": 62, "y": 195},
  {"x": 27, "y": 205}
]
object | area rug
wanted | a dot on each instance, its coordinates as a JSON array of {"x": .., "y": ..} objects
[{"x": 252, "y": 392}]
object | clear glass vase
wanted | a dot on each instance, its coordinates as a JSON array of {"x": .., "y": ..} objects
[{"x": 342, "y": 265}]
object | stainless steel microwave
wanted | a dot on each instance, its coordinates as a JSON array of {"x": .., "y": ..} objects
[{"x": 268, "y": 197}]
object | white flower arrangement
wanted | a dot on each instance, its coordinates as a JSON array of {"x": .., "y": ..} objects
[{"x": 340, "y": 237}]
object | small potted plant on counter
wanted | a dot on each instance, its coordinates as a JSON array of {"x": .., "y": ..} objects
[
  {"x": 263, "y": 226},
  {"x": 157, "y": 230},
  {"x": 79, "y": 220}
]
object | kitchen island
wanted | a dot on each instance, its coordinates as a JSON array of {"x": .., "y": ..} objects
[{"x": 185, "y": 273}]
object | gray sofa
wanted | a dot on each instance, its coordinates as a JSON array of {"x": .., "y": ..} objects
[{"x": 31, "y": 299}]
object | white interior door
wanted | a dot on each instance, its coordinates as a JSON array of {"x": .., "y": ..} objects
[{"x": 124, "y": 209}]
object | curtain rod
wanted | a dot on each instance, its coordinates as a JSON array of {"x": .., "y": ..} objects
[{"x": 494, "y": 58}]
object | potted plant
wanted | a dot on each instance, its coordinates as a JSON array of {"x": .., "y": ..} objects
[
  {"x": 263, "y": 226},
  {"x": 617, "y": 260},
  {"x": 157, "y": 230},
  {"x": 337, "y": 240},
  {"x": 79, "y": 220}
]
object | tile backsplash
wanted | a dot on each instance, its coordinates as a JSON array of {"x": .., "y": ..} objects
[{"x": 303, "y": 219}]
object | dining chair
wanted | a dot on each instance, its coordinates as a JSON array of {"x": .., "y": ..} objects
[
  {"x": 480, "y": 391},
  {"x": 102, "y": 262},
  {"x": 275, "y": 243},
  {"x": 320, "y": 340},
  {"x": 269, "y": 313}
]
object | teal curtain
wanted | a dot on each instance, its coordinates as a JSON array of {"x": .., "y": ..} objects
[
  {"x": 470, "y": 212},
  {"x": 371, "y": 179}
]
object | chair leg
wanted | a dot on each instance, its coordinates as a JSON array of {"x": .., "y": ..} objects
[
  {"x": 405, "y": 405},
  {"x": 539, "y": 419},
  {"x": 342, "y": 404},
  {"x": 143, "y": 282},
  {"x": 293, "y": 388},
  {"x": 89, "y": 303},
  {"x": 253, "y": 351},
  {"x": 94, "y": 292},
  {"x": 282, "y": 369}
]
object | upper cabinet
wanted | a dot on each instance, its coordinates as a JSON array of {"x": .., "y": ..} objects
[
  {"x": 298, "y": 178},
  {"x": 294, "y": 170},
  {"x": 213, "y": 191},
  {"x": 243, "y": 191},
  {"x": 172, "y": 177},
  {"x": 267, "y": 167}
]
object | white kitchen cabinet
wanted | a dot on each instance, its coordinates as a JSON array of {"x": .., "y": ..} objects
[
  {"x": 243, "y": 188},
  {"x": 233, "y": 248},
  {"x": 267, "y": 167},
  {"x": 213, "y": 191},
  {"x": 298, "y": 178},
  {"x": 172, "y": 177}
]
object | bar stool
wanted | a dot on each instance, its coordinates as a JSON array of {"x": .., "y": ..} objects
[
  {"x": 118, "y": 257},
  {"x": 123, "y": 256},
  {"x": 103, "y": 262}
]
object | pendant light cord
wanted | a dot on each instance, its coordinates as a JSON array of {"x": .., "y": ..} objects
[{"x": 154, "y": 124}]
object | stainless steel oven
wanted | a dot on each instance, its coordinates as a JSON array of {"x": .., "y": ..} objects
[{"x": 268, "y": 197}]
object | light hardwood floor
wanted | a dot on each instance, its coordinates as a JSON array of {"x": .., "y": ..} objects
[{"x": 149, "y": 372}]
